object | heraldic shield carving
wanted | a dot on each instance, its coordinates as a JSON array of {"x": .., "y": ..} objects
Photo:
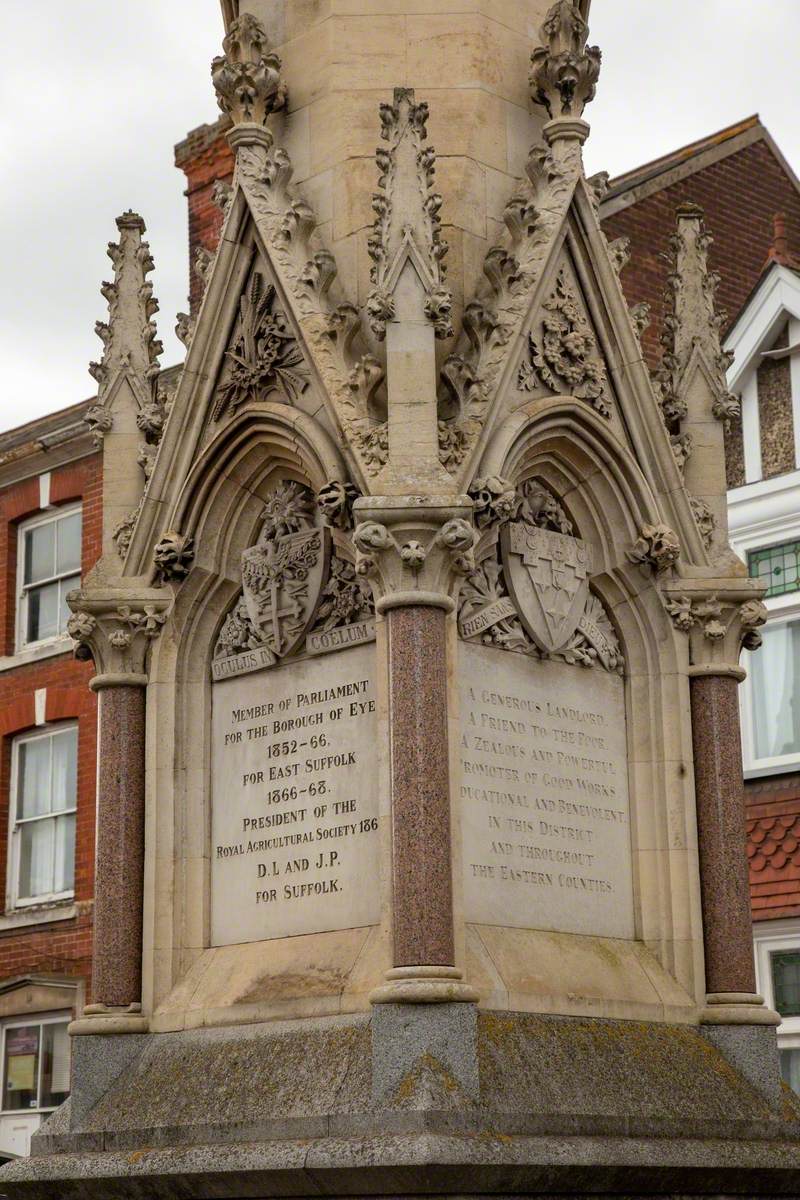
[
  {"x": 548, "y": 577},
  {"x": 283, "y": 574}
]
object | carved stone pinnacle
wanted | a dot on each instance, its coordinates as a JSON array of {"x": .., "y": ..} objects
[
  {"x": 247, "y": 76},
  {"x": 564, "y": 69}
]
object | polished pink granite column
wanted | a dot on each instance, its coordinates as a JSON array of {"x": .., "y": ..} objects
[
  {"x": 422, "y": 872},
  {"x": 727, "y": 923},
  {"x": 117, "y": 967}
]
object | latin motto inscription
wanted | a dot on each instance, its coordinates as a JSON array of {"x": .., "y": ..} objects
[
  {"x": 294, "y": 813},
  {"x": 544, "y": 795}
]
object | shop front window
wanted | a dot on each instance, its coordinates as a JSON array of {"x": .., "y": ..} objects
[{"x": 36, "y": 1065}]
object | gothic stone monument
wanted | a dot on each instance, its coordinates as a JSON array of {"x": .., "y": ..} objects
[{"x": 417, "y": 639}]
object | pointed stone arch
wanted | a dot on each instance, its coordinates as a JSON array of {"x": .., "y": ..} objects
[
  {"x": 574, "y": 454},
  {"x": 221, "y": 504}
]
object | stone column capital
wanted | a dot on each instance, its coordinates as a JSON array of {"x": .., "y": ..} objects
[
  {"x": 720, "y": 617},
  {"x": 114, "y": 626},
  {"x": 415, "y": 550}
]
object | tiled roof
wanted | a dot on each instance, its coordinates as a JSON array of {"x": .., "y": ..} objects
[
  {"x": 773, "y": 851},
  {"x": 658, "y": 166}
]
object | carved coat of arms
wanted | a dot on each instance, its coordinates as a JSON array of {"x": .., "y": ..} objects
[
  {"x": 548, "y": 578},
  {"x": 283, "y": 574}
]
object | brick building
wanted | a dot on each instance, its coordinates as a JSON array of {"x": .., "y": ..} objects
[{"x": 50, "y": 489}]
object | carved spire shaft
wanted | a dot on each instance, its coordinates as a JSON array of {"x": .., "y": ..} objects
[
  {"x": 127, "y": 420},
  {"x": 409, "y": 305},
  {"x": 129, "y": 336},
  {"x": 694, "y": 396}
]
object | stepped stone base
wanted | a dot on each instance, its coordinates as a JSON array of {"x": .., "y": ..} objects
[{"x": 415, "y": 1100}]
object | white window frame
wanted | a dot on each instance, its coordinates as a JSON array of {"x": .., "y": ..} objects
[
  {"x": 760, "y": 536},
  {"x": 44, "y": 518},
  {"x": 779, "y": 614},
  {"x": 778, "y": 936},
  {"x": 13, "y": 900},
  {"x": 61, "y": 1018}
]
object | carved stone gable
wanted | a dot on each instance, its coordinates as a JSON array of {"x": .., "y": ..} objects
[
  {"x": 530, "y": 589},
  {"x": 263, "y": 356}
]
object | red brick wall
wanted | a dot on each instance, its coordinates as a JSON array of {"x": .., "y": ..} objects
[
  {"x": 62, "y": 948},
  {"x": 204, "y": 157},
  {"x": 740, "y": 195}
]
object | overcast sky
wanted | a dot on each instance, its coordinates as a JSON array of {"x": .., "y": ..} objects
[{"x": 93, "y": 96}]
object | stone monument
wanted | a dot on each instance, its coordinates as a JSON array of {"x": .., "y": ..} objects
[{"x": 417, "y": 635}]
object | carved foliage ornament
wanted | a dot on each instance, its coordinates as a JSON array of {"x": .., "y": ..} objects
[
  {"x": 116, "y": 638},
  {"x": 247, "y": 75},
  {"x": 263, "y": 355},
  {"x": 373, "y": 445},
  {"x": 716, "y": 617},
  {"x": 705, "y": 519},
  {"x": 455, "y": 537},
  {"x": 335, "y": 502},
  {"x": 565, "y": 356},
  {"x": 173, "y": 556},
  {"x": 564, "y": 69},
  {"x": 530, "y": 590}
]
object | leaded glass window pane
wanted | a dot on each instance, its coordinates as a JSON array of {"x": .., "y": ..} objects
[
  {"x": 778, "y": 567},
  {"x": 786, "y": 982}
]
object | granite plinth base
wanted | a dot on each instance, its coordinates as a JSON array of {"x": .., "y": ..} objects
[{"x": 414, "y": 1100}]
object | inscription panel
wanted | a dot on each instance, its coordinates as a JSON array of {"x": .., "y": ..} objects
[
  {"x": 295, "y": 800},
  {"x": 544, "y": 795}
]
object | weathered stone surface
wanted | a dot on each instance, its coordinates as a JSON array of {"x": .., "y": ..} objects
[
  {"x": 425, "y": 1056},
  {"x": 544, "y": 796},
  {"x": 573, "y": 1107},
  {"x": 295, "y": 806}
]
